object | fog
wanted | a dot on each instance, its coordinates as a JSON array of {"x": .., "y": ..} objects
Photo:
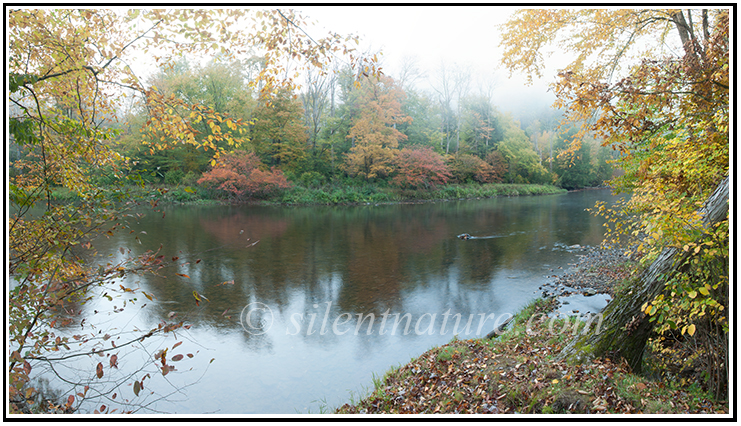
[{"x": 460, "y": 37}]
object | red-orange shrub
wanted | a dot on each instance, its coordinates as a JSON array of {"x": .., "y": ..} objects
[
  {"x": 420, "y": 167},
  {"x": 242, "y": 174}
]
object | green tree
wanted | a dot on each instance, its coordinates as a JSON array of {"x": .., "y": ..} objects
[
  {"x": 424, "y": 127},
  {"x": 480, "y": 127},
  {"x": 278, "y": 134},
  {"x": 523, "y": 164},
  {"x": 574, "y": 171}
]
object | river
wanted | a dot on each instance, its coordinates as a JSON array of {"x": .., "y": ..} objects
[{"x": 302, "y": 306}]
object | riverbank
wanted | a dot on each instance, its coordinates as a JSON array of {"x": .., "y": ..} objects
[
  {"x": 517, "y": 372},
  {"x": 331, "y": 194}
]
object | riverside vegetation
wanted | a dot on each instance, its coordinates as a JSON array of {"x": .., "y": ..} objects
[{"x": 332, "y": 194}]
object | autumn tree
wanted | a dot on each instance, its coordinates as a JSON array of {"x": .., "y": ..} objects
[
  {"x": 498, "y": 165},
  {"x": 68, "y": 74},
  {"x": 374, "y": 135},
  {"x": 653, "y": 84},
  {"x": 469, "y": 168}
]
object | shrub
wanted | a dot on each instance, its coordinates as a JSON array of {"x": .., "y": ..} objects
[
  {"x": 420, "y": 167},
  {"x": 242, "y": 174},
  {"x": 312, "y": 179},
  {"x": 173, "y": 177},
  {"x": 467, "y": 168}
]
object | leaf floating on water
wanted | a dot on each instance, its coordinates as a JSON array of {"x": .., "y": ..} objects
[
  {"x": 182, "y": 275},
  {"x": 99, "y": 370},
  {"x": 177, "y": 357},
  {"x": 137, "y": 388}
]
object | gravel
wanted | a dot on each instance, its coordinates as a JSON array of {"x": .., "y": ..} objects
[{"x": 596, "y": 271}]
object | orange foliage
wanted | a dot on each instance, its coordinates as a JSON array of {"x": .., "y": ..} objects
[
  {"x": 242, "y": 174},
  {"x": 374, "y": 132},
  {"x": 420, "y": 167}
]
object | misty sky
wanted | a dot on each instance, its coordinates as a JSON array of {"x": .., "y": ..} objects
[{"x": 464, "y": 35}]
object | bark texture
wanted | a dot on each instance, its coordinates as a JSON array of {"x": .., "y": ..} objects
[{"x": 625, "y": 328}]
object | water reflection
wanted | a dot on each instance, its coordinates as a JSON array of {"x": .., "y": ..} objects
[{"x": 314, "y": 267}]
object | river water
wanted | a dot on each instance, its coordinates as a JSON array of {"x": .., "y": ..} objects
[{"x": 302, "y": 306}]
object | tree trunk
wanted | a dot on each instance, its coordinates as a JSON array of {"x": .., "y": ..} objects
[{"x": 625, "y": 328}]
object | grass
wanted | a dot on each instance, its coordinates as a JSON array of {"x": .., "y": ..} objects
[
  {"x": 329, "y": 194},
  {"x": 373, "y": 194}
]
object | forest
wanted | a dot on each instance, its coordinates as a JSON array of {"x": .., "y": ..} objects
[
  {"x": 334, "y": 130},
  {"x": 245, "y": 104}
]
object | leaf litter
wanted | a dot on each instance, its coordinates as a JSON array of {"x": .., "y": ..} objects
[{"x": 517, "y": 373}]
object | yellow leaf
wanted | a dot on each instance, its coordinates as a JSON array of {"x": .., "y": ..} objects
[
  {"x": 691, "y": 329},
  {"x": 213, "y": 163},
  {"x": 692, "y": 294},
  {"x": 704, "y": 291}
]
